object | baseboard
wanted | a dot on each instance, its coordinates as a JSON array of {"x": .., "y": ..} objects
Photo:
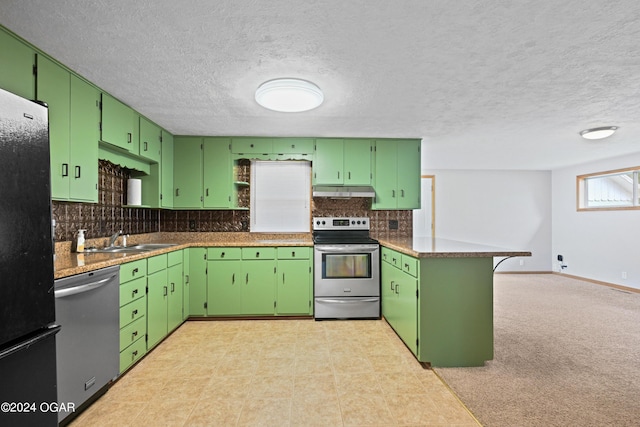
[
  {"x": 523, "y": 272},
  {"x": 601, "y": 283}
]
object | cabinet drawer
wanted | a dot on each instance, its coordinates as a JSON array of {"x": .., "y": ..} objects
[
  {"x": 133, "y": 332},
  {"x": 133, "y": 270},
  {"x": 293, "y": 252},
  {"x": 410, "y": 265},
  {"x": 392, "y": 257},
  {"x": 258, "y": 253},
  {"x": 223, "y": 253},
  {"x": 132, "y": 353},
  {"x": 156, "y": 263},
  {"x": 132, "y": 290},
  {"x": 133, "y": 311},
  {"x": 174, "y": 258},
  {"x": 251, "y": 145}
]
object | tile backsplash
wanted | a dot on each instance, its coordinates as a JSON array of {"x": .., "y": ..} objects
[{"x": 109, "y": 215}]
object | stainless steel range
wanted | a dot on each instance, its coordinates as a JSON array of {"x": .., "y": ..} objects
[{"x": 347, "y": 269}]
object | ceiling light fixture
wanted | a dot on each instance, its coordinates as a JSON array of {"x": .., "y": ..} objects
[
  {"x": 289, "y": 95},
  {"x": 598, "y": 133}
]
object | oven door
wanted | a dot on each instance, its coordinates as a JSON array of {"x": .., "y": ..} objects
[{"x": 347, "y": 270}]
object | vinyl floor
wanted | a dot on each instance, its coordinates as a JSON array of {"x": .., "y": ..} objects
[{"x": 279, "y": 373}]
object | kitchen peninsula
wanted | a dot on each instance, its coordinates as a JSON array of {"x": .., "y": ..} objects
[{"x": 437, "y": 294}]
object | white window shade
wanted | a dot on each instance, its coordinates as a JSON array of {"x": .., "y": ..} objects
[{"x": 280, "y": 196}]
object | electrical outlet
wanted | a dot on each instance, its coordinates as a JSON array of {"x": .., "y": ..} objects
[
  {"x": 192, "y": 224},
  {"x": 560, "y": 258},
  {"x": 393, "y": 224},
  {"x": 624, "y": 275},
  {"x": 521, "y": 262}
]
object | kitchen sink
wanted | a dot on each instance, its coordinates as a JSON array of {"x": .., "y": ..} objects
[{"x": 145, "y": 247}]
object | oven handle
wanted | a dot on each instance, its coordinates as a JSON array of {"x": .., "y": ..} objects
[
  {"x": 347, "y": 301},
  {"x": 348, "y": 248}
]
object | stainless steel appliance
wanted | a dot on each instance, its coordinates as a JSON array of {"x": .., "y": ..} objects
[
  {"x": 27, "y": 309},
  {"x": 347, "y": 269},
  {"x": 87, "y": 308}
]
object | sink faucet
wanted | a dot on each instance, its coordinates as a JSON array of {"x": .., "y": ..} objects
[{"x": 113, "y": 238}]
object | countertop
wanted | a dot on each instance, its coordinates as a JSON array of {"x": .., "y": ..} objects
[
  {"x": 68, "y": 263},
  {"x": 444, "y": 248}
]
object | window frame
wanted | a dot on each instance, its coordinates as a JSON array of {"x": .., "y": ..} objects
[{"x": 581, "y": 180}]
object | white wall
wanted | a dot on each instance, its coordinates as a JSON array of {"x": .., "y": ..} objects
[
  {"x": 509, "y": 209},
  {"x": 595, "y": 245}
]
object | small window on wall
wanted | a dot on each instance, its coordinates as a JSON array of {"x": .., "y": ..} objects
[
  {"x": 610, "y": 190},
  {"x": 280, "y": 196}
]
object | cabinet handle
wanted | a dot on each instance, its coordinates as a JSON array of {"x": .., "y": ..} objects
[
  {"x": 392, "y": 282},
  {"x": 406, "y": 266},
  {"x": 134, "y": 354},
  {"x": 233, "y": 279},
  {"x": 77, "y": 175},
  {"x": 133, "y": 273},
  {"x": 144, "y": 145},
  {"x": 338, "y": 174},
  {"x": 393, "y": 193},
  {"x": 186, "y": 279},
  {"x": 65, "y": 169},
  {"x": 283, "y": 278},
  {"x": 173, "y": 287},
  {"x": 134, "y": 334},
  {"x": 246, "y": 279},
  {"x": 207, "y": 192},
  {"x": 293, "y": 254},
  {"x": 129, "y": 138},
  {"x": 222, "y": 255},
  {"x": 251, "y": 145},
  {"x": 396, "y": 288},
  {"x": 349, "y": 174},
  {"x": 135, "y": 291},
  {"x": 166, "y": 291},
  {"x": 257, "y": 254},
  {"x": 401, "y": 193},
  {"x": 133, "y": 313}
]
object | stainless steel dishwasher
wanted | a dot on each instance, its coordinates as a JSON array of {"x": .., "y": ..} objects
[{"x": 87, "y": 347}]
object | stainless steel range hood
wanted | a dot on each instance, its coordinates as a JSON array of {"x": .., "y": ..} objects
[{"x": 343, "y": 191}]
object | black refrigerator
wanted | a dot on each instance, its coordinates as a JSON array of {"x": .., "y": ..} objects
[{"x": 27, "y": 309}]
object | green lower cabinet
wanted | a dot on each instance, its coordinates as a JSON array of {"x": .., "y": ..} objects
[
  {"x": 157, "y": 300},
  {"x": 258, "y": 287},
  {"x": 399, "y": 303},
  {"x": 186, "y": 284},
  {"x": 133, "y": 308},
  {"x": 224, "y": 286},
  {"x": 293, "y": 293},
  {"x": 175, "y": 301},
  {"x": 197, "y": 281}
]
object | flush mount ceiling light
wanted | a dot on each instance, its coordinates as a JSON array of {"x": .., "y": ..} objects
[
  {"x": 598, "y": 133},
  {"x": 289, "y": 95}
]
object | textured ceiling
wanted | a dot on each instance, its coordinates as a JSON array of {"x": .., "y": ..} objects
[{"x": 487, "y": 84}]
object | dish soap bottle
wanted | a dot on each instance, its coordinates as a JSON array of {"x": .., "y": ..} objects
[{"x": 80, "y": 244}]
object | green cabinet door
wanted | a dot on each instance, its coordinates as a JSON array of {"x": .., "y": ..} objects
[
  {"x": 387, "y": 287},
  {"x": 157, "y": 299},
  {"x": 17, "y": 61},
  {"x": 224, "y": 287},
  {"x": 120, "y": 124},
  {"x": 186, "y": 265},
  {"x": 386, "y": 175},
  {"x": 187, "y": 172},
  {"x": 197, "y": 281},
  {"x": 406, "y": 306},
  {"x": 174, "y": 304},
  {"x": 293, "y": 286},
  {"x": 258, "y": 286},
  {"x": 409, "y": 174},
  {"x": 284, "y": 146},
  {"x": 84, "y": 135},
  {"x": 53, "y": 84},
  {"x": 166, "y": 170},
  {"x": 217, "y": 173},
  {"x": 150, "y": 136},
  {"x": 357, "y": 161},
  {"x": 328, "y": 161}
]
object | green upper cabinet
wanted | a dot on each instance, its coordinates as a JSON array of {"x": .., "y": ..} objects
[
  {"x": 150, "y": 137},
  {"x": 166, "y": 170},
  {"x": 187, "y": 172},
  {"x": 285, "y": 147},
  {"x": 342, "y": 161},
  {"x": 84, "y": 136},
  {"x": 120, "y": 125},
  {"x": 397, "y": 174},
  {"x": 54, "y": 87},
  {"x": 252, "y": 146},
  {"x": 202, "y": 173},
  {"x": 17, "y": 61},
  {"x": 73, "y": 132},
  {"x": 217, "y": 173}
]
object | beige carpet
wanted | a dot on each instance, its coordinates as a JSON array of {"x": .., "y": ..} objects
[{"x": 567, "y": 353}]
